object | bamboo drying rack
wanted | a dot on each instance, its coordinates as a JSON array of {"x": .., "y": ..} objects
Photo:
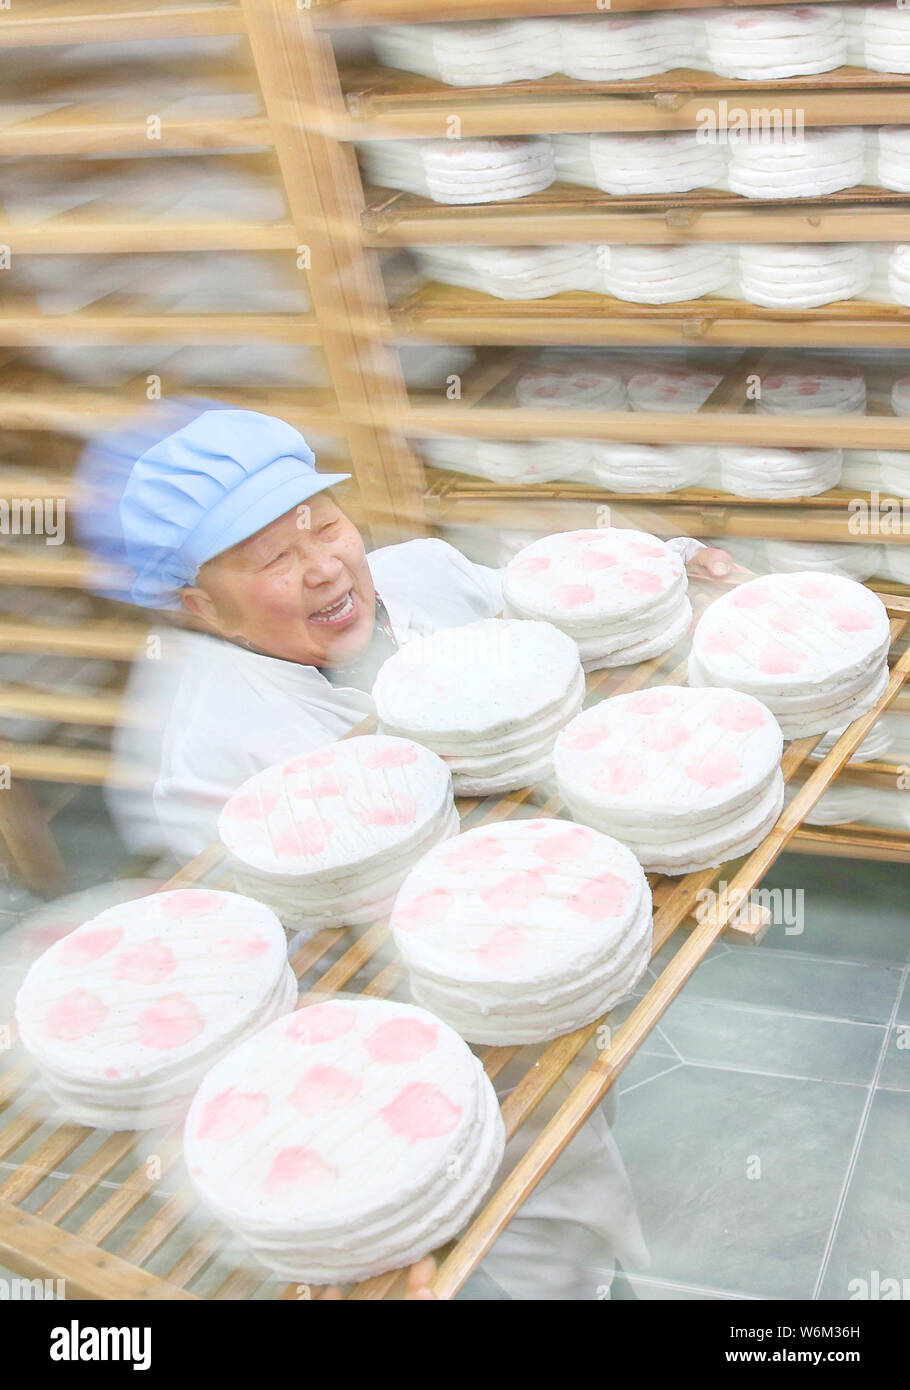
[{"x": 43, "y": 1234}]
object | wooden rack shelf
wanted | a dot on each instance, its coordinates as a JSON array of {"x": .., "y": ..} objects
[
  {"x": 113, "y": 21},
  {"x": 389, "y": 103},
  {"x": 335, "y": 13},
  {"x": 446, "y": 314},
  {"x": 177, "y": 1251},
  {"x": 571, "y": 213}
]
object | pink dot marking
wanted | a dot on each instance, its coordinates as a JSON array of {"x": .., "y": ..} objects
[
  {"x": 401, "y": 813},
  {"x": 504, "y": 948},
  {"x": 669, "y": 737},
  {"x": 190, "y": 902},
  {"x": 298, "y": 1167},
  {"x": 423, "y": 911},
  {"x": 306, "y": 836},
  {"x": 111, "y": 1073},
  {"x": 251, "y": 806},
  {"x": 170, "y": 1022},
  {"x": 813, "y": 588},
  {"x": 421, "y": 1111},
  {"x": 645, "y": 550},
  {"x": 620, "y": 775},
  {"x": 851, "y": 619},
  {"x": 650, "y": 702},
  {"x": 808, "y": 388},
  {"x": 396, "y": 755},
  {"x": 74, "y": 1015},
  {"x": 472, "y": 854},
  {"x": 322, "y": 1088},
  {"x": 516, "y": 891},
  {"x": 232, "y": 1113},
  {"x": 567, "y": 845},
  {"x": 323, "y": 757},
  {"x": 739, "y": 715},
  {"x": 319, "y": 1023},
  {"x": 596, "y": 560},
  {"x": 241, "y": 947},
  {"x": 402, "y": 1040},
  {"x": 715, "y": 769},
  {"x": 530, "y": 565},
  {"x": 86, "y": 946},
  {"x": 605, "y": 896},
  {"x": 777, "y": 660},
  {"x": 580, "y": 740},
  {"x": 573, "y": 595},
  {"x": 324, "y": 786},
  {"x": 148, "y": 964},
  {"x": 749, "y": 596},
  {"x": 718, "y": 641},
  {"x": 642, "y": 582},
  {"x": 787, "y": 620}
]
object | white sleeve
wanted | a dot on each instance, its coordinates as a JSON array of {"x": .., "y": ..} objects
[
  {"x": 686, "y": 547},
  {"x": 486, "y": 581}
]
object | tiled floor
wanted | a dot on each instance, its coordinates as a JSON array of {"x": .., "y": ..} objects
[
  {"x": 766, "y": 1127},
  {"x": 766, "y": 1123}
]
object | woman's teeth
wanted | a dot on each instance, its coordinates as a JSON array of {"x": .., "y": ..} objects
[{"x": 342, "y": 609}]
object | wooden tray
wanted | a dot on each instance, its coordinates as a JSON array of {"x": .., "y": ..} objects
[{"x": 104, "y": 1229}]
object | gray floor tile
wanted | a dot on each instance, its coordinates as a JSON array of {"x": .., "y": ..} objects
[
  {"x": 780, "y": 980},
  {"x": 853, "y": 910},
  {"x": 654, "y": 1290},
  {"x": 756, "y": 1039},
  {"x": 874, "y": 1231},
  {"x": 688, "y": 1139}
]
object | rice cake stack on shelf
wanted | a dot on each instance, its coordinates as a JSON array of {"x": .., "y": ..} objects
[
  {"x": 348, "y": 1140},
  {"x": 761, "y": 44},
  {"x": 810, "y": 164},
  {"x": 813, "y": 647},
  {"x": 472, "y": 55},
  {"x": 125, "y": 1014},
  {"x": 779, "y": 473},
  {"x": 782, "y": 276},
  {"x": 602, "y": 48},
  {"x": 849, "y": 560},
  {"x": 523, "y": 931},
  {"x": 895, "y": 463},
  {"x": 512, "y": 272},
  {"x": 686, "y": 778},
  {"x": 327, "y": 837},
  {"x": 489, "y": 698},
  {"x": 620, "y": 595},
  {"x": 462, "y": 171}
]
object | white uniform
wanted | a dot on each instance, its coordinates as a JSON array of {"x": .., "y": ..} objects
[
  {"x": 215, "y": 713},
  {"x": 223, "y": 713}
]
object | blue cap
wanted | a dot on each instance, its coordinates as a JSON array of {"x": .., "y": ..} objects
[{"x": 208, "y": 486}]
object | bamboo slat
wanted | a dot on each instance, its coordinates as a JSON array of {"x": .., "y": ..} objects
[
  {"x": 106, "y": 21},
  {"x": 566, "y": 213},
  {"x": 444, "y": 313},
  {"x": 335, "y": 13},
  {"x": 85, "y": 130}
]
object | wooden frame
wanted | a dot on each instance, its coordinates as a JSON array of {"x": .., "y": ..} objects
[{"x": 37, "y": 1244}]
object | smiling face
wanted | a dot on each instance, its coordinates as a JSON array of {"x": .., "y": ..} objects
[{"x": 299, "y": 589}]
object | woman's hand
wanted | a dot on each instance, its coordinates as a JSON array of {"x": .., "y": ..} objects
[{"x": 711, "y": 563}]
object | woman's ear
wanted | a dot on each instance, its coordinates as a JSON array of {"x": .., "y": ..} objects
[{"x": 200, "y": 604}]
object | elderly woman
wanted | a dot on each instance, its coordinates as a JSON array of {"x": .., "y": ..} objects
[{"x": 227, "y": 520}]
